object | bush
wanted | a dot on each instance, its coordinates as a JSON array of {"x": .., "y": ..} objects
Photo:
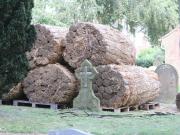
[
  {"x": 147, "y": 57},
  {"x": 178, "y": 88},
  {"x": 16, "y": 38}
]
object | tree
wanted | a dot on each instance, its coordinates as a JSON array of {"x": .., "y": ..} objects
[
  {"x": 112, "y": 10},
  {"x": 179, "y": 9},
  {"x": 158, "y": 18},
  {"x": 16, "y": 38},
  {"x": 51, "y": 12},
  {"x": 65, "y": 12},
  {"x": 153, "y": 17},
  {"x": 88, "y": 10}
]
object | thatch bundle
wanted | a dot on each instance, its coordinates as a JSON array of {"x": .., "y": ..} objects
[
  {"x": 118, "y": 86},
  {"x": 50, "y": 84},
  {"x": 99, "y": 43},
  {"x": 47, "y": 48}
]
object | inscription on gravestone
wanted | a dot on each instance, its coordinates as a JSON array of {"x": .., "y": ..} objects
[
  {"x": 86, "y": 98},
  {"x": 169, "y": 82}
]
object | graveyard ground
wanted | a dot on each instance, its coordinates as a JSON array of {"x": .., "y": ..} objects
[{"x": 32, "y": 120}]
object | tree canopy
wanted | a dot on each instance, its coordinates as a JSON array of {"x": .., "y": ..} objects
[
  {"x": 16, "y": 38},
  {"x": 153, "y": 17}
]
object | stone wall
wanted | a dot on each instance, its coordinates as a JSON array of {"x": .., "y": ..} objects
[{"x": 170, "y": 43}]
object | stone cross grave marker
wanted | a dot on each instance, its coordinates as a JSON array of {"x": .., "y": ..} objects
[
  {"x": 86, "y": 99},
  {"x": 68, "y": 132},
  {"x": 169, "y": 82}
]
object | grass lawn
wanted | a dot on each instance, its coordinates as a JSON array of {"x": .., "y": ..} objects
[{"x": 32, "y": 120}]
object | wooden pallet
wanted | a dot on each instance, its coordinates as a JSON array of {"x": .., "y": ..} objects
[
  {"x": 35, "y": 104},
  {"x": 147, "y": 106},
  {"x": 122, "y": 109}
]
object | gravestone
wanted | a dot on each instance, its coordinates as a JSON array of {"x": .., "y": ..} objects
[
  {"x": 86, "y": 99},
  {"x": 68, "y": 132},
  {"x": 169, "y": 82}
]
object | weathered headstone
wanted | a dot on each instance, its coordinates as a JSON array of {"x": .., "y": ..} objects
[
  {"x": 169, "y": 82},
  {"x": 68, "y": 132},
  {"x": 86, "y": 99}
]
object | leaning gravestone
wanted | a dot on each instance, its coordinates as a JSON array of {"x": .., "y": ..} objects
[
  {"x": 68, "y": 132},
  {"x": 169, "y": 82},
  {"x": 86, "y": 99}
]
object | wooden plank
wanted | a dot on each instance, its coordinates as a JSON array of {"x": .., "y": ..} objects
[
  {"x": 54, "y": 106},
  {"x": 124, "y": 109},
  {"x": 117, "y": 110},
  {"x": 15, "y": 103},
  {"x": 33, "y": 105}
]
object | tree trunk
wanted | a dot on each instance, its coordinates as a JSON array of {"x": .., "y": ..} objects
[
  {"x": 47, "y": 48},
  {"x": 118, "y": 86},
  {"x": 50, "y": 84},
  {"x": 99, "y": 43}
]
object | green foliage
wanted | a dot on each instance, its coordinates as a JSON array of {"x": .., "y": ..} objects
[
  {"x": 178, "y": 1},
  {"x": 16, "y": 37},
  {"x": 88, "y": 10},
  {"x": 178, "y": 88},
  {"x": 64, "y": 12},
  {"x": 114, "y": 11},
  {"x": 154, "y": 17},
  {"x": 159, "y": 17},
  {"x": 131, "y": 13},
  {"x": 110, "y": 11},
  {"x": 147, "y": 57}
]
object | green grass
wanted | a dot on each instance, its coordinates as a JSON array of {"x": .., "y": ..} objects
[{"x": 31, "y": 120}]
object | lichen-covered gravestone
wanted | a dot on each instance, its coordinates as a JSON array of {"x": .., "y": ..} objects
[
  {"x": 169, "y": 82},
  {"x": 86, "y": 99}
]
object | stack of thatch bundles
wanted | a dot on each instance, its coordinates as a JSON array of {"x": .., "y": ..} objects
[
  {"x": 47, "y": 80},
  {"x": 119, "y": 82},
  {"x": 116, "y": 84}
]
